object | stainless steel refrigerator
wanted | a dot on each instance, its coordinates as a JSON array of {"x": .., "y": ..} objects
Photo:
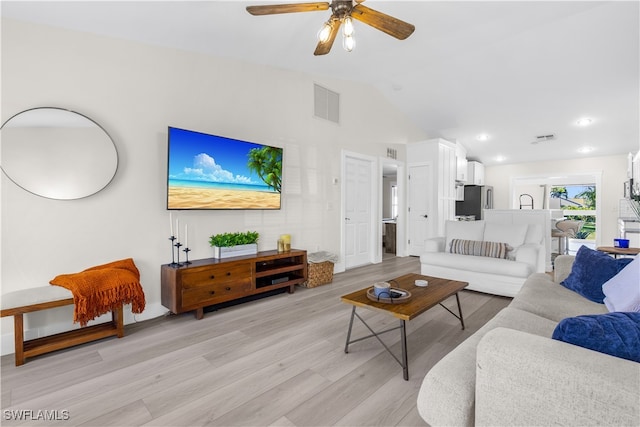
[{"x": 476, "y": 198}]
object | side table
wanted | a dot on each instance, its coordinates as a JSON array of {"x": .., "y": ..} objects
[{"x": 615, "y": 251}]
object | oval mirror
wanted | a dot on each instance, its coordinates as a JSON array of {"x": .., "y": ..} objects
[{"x": 57, "y": 153}]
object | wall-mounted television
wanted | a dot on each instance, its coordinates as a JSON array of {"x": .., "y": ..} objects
[{"x": 213, "y": 172}]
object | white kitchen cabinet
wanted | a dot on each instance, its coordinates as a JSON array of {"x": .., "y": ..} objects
[
  {"x": 461, "y": 163},
  {"x": 475, "y": 173}
]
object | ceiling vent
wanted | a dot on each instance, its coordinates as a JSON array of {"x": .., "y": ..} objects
[
  {"x": 326, "y": 104},
  {"x": 544, "y": 138}
]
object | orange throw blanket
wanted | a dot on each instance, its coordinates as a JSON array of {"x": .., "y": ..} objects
[{"x": 98, "y": 290}]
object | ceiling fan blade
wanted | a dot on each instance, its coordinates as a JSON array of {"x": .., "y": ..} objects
[
  {"x": 385, "y": 23},
  {"x": 324, "y": 47},
  {"x": 287, "y": 8}
]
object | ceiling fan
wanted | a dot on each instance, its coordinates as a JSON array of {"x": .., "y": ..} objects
[{"x": 342, "y": 12}]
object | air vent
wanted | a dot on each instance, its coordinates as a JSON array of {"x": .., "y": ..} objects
[
  {"x": 544, "y": 138},
  {"x": 326, "y": 104},
  {"x": 392, "y": 153}
]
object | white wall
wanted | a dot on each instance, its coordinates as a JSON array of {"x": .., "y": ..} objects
[
  {"x": 135, "y": 91},
  {"x": 614, "y": 173}
]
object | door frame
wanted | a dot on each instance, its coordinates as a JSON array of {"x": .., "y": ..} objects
[{"x": 376, "y": 232}]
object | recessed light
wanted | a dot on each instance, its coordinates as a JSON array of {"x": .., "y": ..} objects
[
  {"x": 501, "y": 159},
  {"x": 482, "y": 137},
  {"x": 585, "y": 121},
  {"x": 585, "y": 150}
]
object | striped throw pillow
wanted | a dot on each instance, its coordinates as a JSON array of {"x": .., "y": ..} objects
[{"x": 479, "y": 248}]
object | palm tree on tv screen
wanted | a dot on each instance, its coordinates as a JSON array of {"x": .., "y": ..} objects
[{"x": 267, "y": 163}]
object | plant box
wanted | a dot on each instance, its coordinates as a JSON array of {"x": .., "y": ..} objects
[{"x": 231, "y": 251}]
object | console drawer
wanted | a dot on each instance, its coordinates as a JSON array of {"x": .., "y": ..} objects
[{"x": 216, "y": 292}]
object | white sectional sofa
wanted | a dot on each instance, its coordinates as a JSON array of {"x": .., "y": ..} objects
[
  {"x": 499, "y": 276},
  {"x": 512, "y": 373}
]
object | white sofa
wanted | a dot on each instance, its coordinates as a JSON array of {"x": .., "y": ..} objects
[
  {"x": 512, "y": 373},
  {"x": 499, "y": 276}
]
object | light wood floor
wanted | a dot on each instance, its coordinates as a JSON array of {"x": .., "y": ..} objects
[{"x": 277, "y": 361}]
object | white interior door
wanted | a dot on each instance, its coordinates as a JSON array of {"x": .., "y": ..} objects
[
  {"x": 419, "y": 196},
  {"x": 358, "y": 211}
]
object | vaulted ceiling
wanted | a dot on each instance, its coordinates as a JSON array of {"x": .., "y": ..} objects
[{"x": 513, "y": 70}]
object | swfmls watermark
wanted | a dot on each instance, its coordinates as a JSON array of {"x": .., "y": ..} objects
[{"x": 36, "y": 415}]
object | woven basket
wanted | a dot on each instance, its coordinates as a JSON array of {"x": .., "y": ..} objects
[{"x": 319, "y": 273}]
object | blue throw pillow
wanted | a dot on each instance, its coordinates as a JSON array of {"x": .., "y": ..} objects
[
  {"x": 590, "y": 270},
  {"x": 616, "y": 334}
]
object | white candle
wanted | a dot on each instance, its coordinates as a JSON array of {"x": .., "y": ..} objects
[
  {"x": 186, "y": 236},
  {"x": 178, "y": 230},
  {"x": 171, "y": 223}
]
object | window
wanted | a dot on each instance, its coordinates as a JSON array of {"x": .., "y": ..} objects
[
  {"x": 394, "y": 201},
  {"x": 578, "y": 202},
  {"x": 543, "y": 188}
]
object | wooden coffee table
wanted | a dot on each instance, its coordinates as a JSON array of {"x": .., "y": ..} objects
[{"x": 422, "y": 299}]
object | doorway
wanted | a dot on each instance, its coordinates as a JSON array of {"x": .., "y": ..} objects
[{"x": 392, "y": 212}]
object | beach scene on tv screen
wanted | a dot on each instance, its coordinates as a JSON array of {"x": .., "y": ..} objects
[{"x": 212, "y": 172}]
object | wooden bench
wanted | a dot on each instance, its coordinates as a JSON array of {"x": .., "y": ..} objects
[{"x": 18, "y": 303}]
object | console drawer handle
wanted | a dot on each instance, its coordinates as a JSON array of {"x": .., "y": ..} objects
[
  {"x": 212, "y": 277},
  {"x": 228, "y": 288},
  {"x": 228, "y": 273},
  {"x": 212, "y": 292}
]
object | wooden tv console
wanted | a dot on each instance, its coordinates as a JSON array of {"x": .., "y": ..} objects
[{"x": 211, "y": 281}]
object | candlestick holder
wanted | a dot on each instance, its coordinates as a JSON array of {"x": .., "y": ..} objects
[
  {"x": 173, "y": 257},
  {"x": 186, "y": 254},
  {"x": 177, "y": 245}
]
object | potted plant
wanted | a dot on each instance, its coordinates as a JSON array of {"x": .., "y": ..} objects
[{"x": 227, "y": 245}]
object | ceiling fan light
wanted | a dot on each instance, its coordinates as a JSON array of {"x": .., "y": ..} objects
[
  {"x": 347, "y": 28},
  {"x": 325, "y": 32},
  {"x": 348, "y": 43}
]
